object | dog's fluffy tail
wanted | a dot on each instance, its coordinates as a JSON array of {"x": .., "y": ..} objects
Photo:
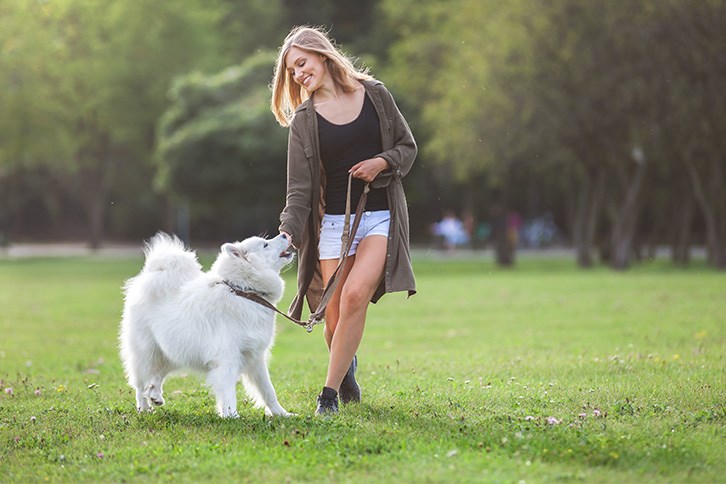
[{"x": 168, "y": 266}]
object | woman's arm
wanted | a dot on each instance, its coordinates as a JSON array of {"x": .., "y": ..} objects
[
  {"x": 400, "y": 158},
  {"x": 299, "y": 188}
]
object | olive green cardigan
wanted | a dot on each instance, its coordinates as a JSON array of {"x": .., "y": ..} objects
[{"x": 304, "y": 207}]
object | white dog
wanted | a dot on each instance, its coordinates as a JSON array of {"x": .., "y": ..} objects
[{"x": 177, "y": 316}]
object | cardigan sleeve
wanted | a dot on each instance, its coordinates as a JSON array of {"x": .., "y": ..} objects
[
  {"x": 299, "y": 188},
  {"x": 401, "y": 156}
]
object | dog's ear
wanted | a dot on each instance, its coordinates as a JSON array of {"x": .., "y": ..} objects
[{"x": 234, "y": 251}]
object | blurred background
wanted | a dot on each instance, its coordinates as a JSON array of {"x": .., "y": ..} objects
[{"x": 599, "y": 126}]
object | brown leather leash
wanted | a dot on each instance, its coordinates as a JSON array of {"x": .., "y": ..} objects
[{"x": 346, "y": 243}]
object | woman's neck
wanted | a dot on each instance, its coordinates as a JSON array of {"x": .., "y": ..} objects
[{"x": 329, "y": 91}]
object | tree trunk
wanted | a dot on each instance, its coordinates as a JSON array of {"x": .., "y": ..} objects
[
  {"x": 681, "y": 251},
  {"x": 504, "y": 251},
  {"x": 713, "y": 207},
  {"x": 626, "y": 220},
  {"x": 94, "y": 179},
  {"x": 586, "y": 213},
  {"x": 95, "y": 197}
]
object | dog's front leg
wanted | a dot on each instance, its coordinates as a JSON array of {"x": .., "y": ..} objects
[{"x": 258, "y": 384}]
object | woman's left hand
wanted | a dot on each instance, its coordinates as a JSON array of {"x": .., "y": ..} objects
[{"x": 368, "y": 170}]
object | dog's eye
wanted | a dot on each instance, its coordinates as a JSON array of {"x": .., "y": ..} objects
[{"x": 266, "y": 244}]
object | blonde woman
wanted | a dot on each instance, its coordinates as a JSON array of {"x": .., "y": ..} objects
[{"x": 341, "y": 120}]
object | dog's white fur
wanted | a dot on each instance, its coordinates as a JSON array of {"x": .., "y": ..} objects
[{"x": 178, "y": 316}]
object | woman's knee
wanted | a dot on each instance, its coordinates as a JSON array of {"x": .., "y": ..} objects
[{"x": 355, "y": 297}]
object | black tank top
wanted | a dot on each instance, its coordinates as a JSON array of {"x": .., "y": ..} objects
[{"x": 341, "y": 147}]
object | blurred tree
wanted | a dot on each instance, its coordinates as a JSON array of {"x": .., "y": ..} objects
[
  {"x": 691, "y": 87},
  {"x": 221, "y": 153},
  {"x": 462, "y": 60},
  {"x": 250, "y": 26},
  {"x": 352, "y": 24},
  {"x": 579, "y": 94},
  {"x": 619, "y": 83},
  {"x": 87, "y": 81}
]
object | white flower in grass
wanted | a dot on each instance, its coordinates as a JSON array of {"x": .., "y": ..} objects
[
  {"x": 529, "y": 418},
  {"x": 553, "y": 421}
]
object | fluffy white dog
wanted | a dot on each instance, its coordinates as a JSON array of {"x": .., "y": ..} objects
[{"x": 177, "y": 316}]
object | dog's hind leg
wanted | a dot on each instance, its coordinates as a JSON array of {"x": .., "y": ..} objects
[
  {"x": 160, "y": 367},
  {"x": 223, "y": 380},
  {"x": 142, "y": 401},
  {"x": 150, "y": 373},
  {"x": 256, "y": 379},
  {"x": 154, "y": 391}
]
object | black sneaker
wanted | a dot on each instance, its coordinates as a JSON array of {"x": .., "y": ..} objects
[
  {"x": 327, "y": 402},
  {"x": 349, "y": 388}
]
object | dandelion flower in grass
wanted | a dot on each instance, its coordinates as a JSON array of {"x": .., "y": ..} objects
[
  {"x": 553, "y": 421},
  {"x": 32, "y": 419}
]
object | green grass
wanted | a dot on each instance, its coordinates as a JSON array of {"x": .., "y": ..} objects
[{"x": 458, "y": 383}]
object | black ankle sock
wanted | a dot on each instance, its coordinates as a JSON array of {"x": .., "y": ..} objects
[{"x": 329, "y": 393}]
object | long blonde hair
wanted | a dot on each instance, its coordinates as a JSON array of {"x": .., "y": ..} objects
[{"x": 288, "y": 95}]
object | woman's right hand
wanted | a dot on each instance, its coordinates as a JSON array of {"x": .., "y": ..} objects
[{"x": 288, "y": 237}]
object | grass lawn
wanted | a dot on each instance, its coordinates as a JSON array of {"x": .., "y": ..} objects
[{"x": 541, "y": 373}]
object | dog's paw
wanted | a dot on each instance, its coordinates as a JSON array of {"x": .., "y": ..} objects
[
  {"x": 281, "y": 412},
  {"x": 230, "y": 415}
]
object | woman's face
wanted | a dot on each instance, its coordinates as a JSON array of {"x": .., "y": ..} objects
[{"x": 306, "y": 68}]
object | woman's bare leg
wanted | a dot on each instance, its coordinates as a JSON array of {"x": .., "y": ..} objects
[
  {"x": 355, "y": 292},
  {"x": 332, "y": 312}
]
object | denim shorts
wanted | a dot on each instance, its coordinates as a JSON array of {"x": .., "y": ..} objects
[{"x": 331, "y": 230}]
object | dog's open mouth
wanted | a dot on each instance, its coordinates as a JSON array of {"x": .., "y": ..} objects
[{"x": 285, "y": 254}]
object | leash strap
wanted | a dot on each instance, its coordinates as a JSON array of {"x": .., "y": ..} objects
[
  {"x": 346, "y": 243},
  {"x": 252, "y": 296}
]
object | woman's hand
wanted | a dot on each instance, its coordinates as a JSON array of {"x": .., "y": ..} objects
[
  {"x": 288, "y": 237},
  {"x": 368, "y": 170}
]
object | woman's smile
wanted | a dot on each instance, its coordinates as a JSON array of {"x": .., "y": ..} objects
[{"x": 305, "y": 68}]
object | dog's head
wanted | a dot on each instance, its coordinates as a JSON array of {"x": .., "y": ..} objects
[
  {"x": 253, "y": 259},
  {"x": 262, "y": 253}
]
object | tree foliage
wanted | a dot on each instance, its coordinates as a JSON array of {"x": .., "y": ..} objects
[
  {"x": 221, "y": 152},
  {"x": 85, "y": 82},
  {"x": 573, "y": 91},
  {"x": 609, "y": 115}
]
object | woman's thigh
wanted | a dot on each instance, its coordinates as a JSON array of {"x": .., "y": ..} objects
[
  {"x": 367, "y": 270},
  {"x": 361, "y": 275},
  {"x": 327, "y": 267}
]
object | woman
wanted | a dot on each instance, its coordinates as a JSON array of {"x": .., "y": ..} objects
[{"x": 341, "y": 121}]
